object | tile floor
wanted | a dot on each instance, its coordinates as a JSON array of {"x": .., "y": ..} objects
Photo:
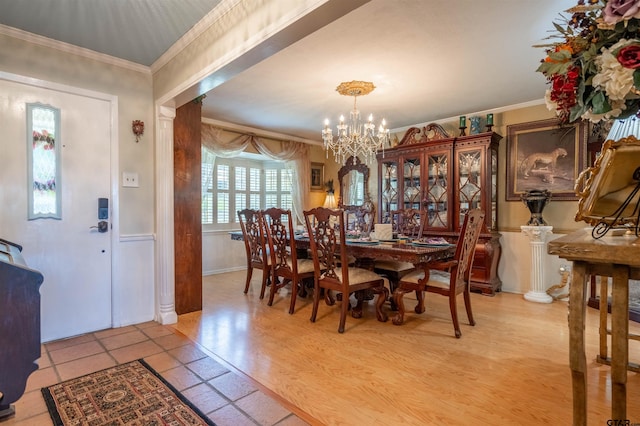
[{"x": 225, "y": 396}]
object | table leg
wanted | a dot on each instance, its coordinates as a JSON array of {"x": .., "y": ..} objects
[
  {"x": 406, "y": 287},
  {"x": 577, "y": 358},
  {"x": 603, "y": 305},
  {"x": 619, "y": 341},
  {"x": 398, "y": 298},
  {"x": 420, "y": 305}
]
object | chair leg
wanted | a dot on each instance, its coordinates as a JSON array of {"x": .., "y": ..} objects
[
  {"x": 266, "y": 274},
  {"x": 275, "y": 286},
  {"x": 344, "y": 307},
  {"x": 249, "y": 275},
  {"x": 316, "y": 299},
  {"x": 383, "y": 295},
  {"x": 454, "y": 314},
  {"x": 294, "y": 294},
  {"x": 328, "y": 298},
  {"x": 467, "y": 305}
]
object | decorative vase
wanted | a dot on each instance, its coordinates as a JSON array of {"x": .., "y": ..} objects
[
  {"x": 536, "y": 200},
  {"x": 475, "y": 125}
]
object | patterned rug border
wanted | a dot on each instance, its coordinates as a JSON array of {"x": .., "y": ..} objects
[{"x": 57, "y": 420}]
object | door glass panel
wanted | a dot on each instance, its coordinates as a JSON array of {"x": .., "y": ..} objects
[
  {"x": 470, "y": 184},
  {"x": 43, "y": 127},
  {"x": 411, "y": 184},
  {"x": 436, "y": 191}
]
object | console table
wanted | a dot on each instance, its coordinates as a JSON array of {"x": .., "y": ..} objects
[{"x": 611, "y": 256}]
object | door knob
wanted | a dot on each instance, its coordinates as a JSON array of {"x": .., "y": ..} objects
[{"x": 103, "y": 226}]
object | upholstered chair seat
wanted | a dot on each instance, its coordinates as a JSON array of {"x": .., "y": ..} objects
[{"x": 357, "y": 275}]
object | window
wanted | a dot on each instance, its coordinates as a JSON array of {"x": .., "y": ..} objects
[{"x": 239, "y": 183}]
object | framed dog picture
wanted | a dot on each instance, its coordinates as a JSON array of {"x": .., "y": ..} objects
[{"x": 545, "y": 155}]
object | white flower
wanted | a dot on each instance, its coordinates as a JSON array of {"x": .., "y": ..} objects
[
  {"x": 551, "y": 105},
  {"x": 615, "y": 79}
]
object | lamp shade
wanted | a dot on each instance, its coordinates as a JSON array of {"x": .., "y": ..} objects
[
  {"x": 330, "y": 201},
  {"x": 623, "y": 128}
]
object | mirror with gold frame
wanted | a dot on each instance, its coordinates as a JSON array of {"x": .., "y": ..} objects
[
  {"x": 609, "y": 190},
  {"x": 354, "y": 183}
]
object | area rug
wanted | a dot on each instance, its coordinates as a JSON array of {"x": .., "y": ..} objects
[{"x": 127, "y": 394}]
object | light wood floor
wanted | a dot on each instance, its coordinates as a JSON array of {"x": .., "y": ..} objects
[{"x": 511, "y": 368}]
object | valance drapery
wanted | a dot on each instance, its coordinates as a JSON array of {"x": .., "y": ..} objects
[{"x": 295, "y": 155}]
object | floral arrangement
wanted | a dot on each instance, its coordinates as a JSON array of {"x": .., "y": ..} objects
[
  {"x": 594, "y": 69},
  {"x": 47, "y": 138}
]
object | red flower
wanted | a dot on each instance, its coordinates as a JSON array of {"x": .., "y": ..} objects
[
  {"x": 563, "y": 91},
  {"x": 629, "y": 56}
]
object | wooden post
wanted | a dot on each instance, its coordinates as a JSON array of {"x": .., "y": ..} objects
[{"x": 187, "y": 207}]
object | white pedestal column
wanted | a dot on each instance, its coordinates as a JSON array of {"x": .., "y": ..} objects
[{"x": 537, "y": 240}]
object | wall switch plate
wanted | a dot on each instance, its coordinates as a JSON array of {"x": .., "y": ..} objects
[{"x": 130, "y": 180}]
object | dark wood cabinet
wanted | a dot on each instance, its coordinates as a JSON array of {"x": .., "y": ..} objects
[
  {"x": 19, "y": 324},
  {"x": 445, "y": 177}
]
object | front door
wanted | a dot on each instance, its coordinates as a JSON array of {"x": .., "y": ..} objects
[{"x": 74, "y": 258}]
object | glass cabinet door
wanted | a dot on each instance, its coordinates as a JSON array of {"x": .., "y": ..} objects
[
  {"x": 436, "y": 190},
  {"x": 388, "y": 190},
  {"x": 411, "y": 183},
  {"x": 469, "y": 182}
]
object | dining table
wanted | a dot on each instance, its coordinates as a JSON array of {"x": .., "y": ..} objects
[
  {"x": 421, "y": 254},
  {"x": 367, "y": 252}
]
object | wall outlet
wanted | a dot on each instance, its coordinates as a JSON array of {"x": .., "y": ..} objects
[{"x": 130, "y": 180}]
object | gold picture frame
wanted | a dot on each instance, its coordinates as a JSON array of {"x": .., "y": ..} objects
[
  {"x": 545, "y": 155},
  {"x": 317, "y": 176},
  {"x": 605, "y": 187}
]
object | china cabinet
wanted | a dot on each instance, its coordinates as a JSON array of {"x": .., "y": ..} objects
[{"x": 445, "y": 177}]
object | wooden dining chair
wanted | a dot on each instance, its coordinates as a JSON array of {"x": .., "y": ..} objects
[
  {"x": 452, "y": 277},
  {"x": 328, "y": 245},
  {"x": 359, "y": 219},
  {"x": 278, "y": 224},
  {"x": 409, "y": 223},
  {"x": 255, "y": 243}
]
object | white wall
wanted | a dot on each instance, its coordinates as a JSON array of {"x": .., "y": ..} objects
[
  {"x": 221, "y": 254},
  {"x": 134, "y": 294}
]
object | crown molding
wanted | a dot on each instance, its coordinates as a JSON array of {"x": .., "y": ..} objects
[
  {"x": 72, "y": 49},
  {"x": 258, "y": 132},
  {"x": 200, "y": 27},
  {"x": 450, "y": 119}
]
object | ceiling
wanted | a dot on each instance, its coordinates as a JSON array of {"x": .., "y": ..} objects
[{"x": 430, "y": 60}]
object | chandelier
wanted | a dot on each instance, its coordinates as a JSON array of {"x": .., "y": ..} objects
[{"x": 355, "y": 138}]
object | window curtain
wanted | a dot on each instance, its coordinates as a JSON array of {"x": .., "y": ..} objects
[{"x": 295, "y": 155}]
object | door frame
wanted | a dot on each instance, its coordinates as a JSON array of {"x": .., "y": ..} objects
[{"x": 113, "y": 158}]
